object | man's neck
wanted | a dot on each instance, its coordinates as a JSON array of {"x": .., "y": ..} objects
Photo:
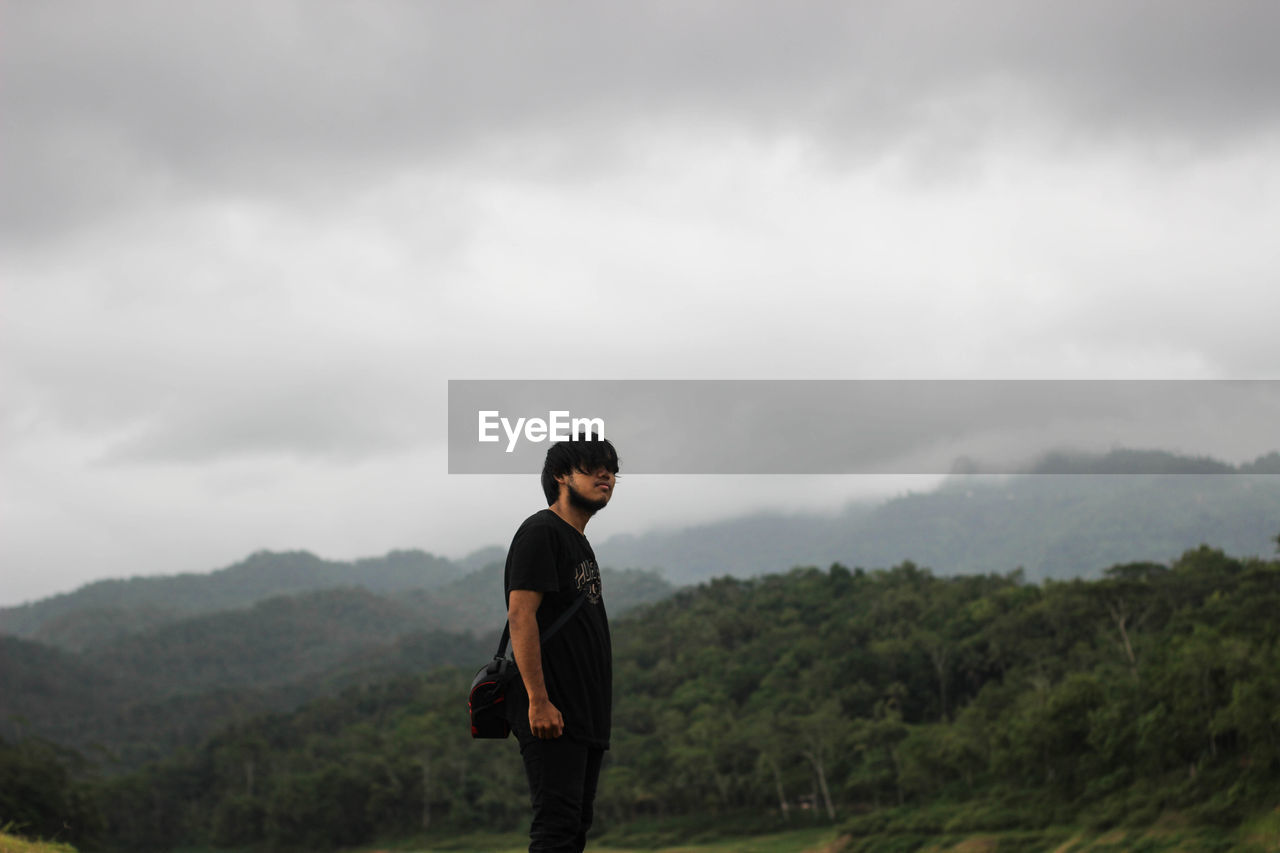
[{"x": 577, "y": 518}]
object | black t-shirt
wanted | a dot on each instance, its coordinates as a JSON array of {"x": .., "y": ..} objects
[{"x": 550, "y": 556}]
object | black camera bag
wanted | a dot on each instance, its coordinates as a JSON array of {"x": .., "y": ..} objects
[{"x": 488, "y": 696}]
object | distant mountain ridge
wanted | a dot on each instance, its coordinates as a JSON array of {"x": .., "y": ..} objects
[
  {"x": 111, "y": 607},
  {"x": 1077, "y": 515},
  {"x": 1138, "y": 462}
]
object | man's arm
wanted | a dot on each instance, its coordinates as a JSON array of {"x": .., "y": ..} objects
[{"x": 522, "y": 614}]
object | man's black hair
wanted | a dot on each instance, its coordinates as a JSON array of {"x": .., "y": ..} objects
[{"x": 582, "y": 453}]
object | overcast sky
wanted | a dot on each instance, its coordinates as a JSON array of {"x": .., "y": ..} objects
[{"x": 246, "y": 244}]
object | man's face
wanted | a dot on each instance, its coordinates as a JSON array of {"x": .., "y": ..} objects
[{"x": 590, "y": 490}]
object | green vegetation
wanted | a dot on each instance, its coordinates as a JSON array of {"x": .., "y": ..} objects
[
  {"x": 41, "y": 793},
  {"x": 903, "y": 710},
  {"x": 14, "y": 844},
  {"x": 139, "y": 695},
  {"x": 1106, "y": 702}
]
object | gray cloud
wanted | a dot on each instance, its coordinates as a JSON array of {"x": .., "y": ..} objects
[
  {"x": 158, "y": 399},
  {"x": 320, "y": 416},
  {"x": 246, "y": 243},
  {"x": 104, "y": 106}
]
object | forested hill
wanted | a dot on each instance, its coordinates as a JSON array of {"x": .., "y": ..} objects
[
  {"x": 889, "y": 701},
  {"x": 1073, "y": 517},
  {"x": 109, "y": 607},
  {"x": 137, "y": 694}
]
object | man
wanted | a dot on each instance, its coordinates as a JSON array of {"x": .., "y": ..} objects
[{"x": 561, "y": 711}]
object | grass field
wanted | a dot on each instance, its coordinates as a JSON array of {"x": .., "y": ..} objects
[
  {"x": 13, "y": 844},
  {"x": 1259, "y": 836}
]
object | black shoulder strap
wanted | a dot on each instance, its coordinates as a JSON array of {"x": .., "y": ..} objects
[{"x": 546, "y": 635}]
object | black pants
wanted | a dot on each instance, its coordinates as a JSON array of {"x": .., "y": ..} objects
[{"x": 562, "y": 783}]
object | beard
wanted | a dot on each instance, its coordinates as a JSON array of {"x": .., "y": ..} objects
[{"x": 588, "y": 505}]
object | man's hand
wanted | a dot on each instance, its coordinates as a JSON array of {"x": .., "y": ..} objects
[{"x": 544, "y": 720}]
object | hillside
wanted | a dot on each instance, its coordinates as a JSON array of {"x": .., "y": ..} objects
[
  {"x": 428, "y": 592},
  {"x": 137, "y": 696},
  {"x": 103, "y": 610},
  {"x": 894, "y": 704}
]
